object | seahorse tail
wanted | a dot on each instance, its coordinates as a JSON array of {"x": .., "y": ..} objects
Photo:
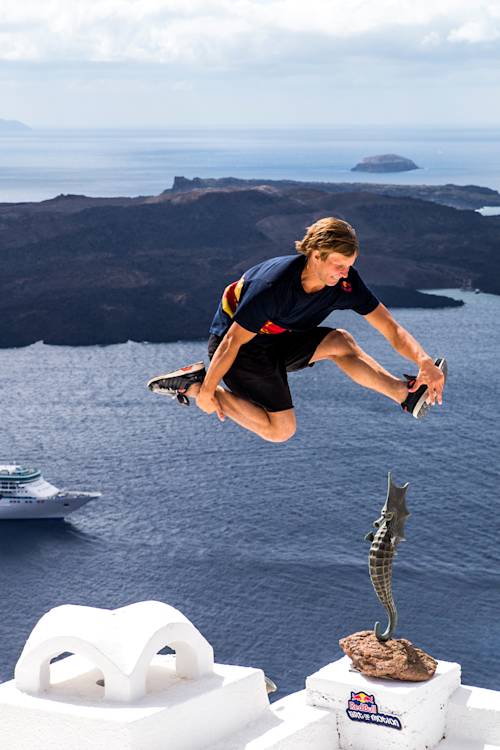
[{"x": 391, "y": 626}]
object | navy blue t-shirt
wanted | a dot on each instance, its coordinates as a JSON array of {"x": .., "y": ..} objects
[{"x": 270, "y": 298}]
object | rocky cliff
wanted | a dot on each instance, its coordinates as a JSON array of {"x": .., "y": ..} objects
[
  {"x": 455, "y": 196},
  {"x": 79, "y": 270}
]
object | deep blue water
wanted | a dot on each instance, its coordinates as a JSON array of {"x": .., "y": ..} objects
[
  {"x": 261, "y": 545},
  {"x": 44, "y": 163}
]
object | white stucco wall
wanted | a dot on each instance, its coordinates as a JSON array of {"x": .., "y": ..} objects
[
  {"x": 187, "y": 701},
  {"x": 473, "y": 715},
  {"x": 289, "y": 724},
  {"x": 176, "y": 712}
]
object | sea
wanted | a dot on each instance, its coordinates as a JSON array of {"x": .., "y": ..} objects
[
  {"x": 261, "y": 545},
  {"x": 41, "y": 164}
]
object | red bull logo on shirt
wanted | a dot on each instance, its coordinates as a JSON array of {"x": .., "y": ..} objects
[{"x": 363, "y": 707}]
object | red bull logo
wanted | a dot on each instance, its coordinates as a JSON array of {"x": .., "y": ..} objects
[
  {"x": 346, "y": 286},
  {"x": 363, "y": 702},
  {"x": 363, "y": 697},
  {"x": 363, "y": 707}
]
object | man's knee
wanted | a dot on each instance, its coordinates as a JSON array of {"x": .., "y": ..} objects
[
  {"x": 340, "y": 343},
  {"x": 280, "y": 435},
  {"x": 281, "y": 431}
]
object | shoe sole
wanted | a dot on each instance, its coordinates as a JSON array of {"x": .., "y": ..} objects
[
  {"x": 422, "y": 407},
  {"x": 156, "y": 384}
]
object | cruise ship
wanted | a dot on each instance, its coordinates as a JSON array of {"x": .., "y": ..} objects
[{"x": 24, "y": 493}]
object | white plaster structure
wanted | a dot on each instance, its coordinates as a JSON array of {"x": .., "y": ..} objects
[
  {"x": 117, "y": 693},
  {"x": 120, "y": 642}
]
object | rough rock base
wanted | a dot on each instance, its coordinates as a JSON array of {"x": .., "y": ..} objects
[{"x": 396, "y": 659}]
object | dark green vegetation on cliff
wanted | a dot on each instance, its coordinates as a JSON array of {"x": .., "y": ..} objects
[{"x": 79, "y": 270}]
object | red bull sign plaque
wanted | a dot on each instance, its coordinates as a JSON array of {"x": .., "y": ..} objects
[{"x": 362, "y": 707}]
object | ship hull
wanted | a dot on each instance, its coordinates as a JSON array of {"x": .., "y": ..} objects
[{"x": 59, "y": 506}]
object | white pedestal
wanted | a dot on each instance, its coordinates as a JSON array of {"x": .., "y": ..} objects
[{"x": 374, "y": 714}]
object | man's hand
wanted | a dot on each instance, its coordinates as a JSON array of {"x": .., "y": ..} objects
[
  {"x": 208, "y": 402},
  {"x": 404, "y": 343},
  {"x": 433, "y": 378}
]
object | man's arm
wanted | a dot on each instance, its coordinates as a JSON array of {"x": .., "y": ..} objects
[
  {"x": 221, "y": 362},
  {"x": 404, "y": 343}
]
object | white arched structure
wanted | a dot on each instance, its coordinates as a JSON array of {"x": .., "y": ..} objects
[{"x": 121, "y": 643}]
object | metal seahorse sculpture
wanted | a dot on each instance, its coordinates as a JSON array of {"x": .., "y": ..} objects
[{"x": 390, "y": 531}]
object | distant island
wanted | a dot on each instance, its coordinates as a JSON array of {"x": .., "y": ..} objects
[
  {"x": 13, "y": 126},
  {"x": 385, "y": 163},
  {"x": 80, "y": 270}
]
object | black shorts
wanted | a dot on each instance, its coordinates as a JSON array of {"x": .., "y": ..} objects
[{"x": 259, "y": 372}]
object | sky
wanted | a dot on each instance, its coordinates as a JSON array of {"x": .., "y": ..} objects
[{"x": 250, "y": 63}]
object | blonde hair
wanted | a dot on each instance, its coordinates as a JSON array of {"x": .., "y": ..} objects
[{"x": 329, "y": 235}]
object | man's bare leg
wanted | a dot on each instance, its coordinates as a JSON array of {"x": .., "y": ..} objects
[
  {"x": 340, "y": 347},
  {"x": 273, "y": 426}
]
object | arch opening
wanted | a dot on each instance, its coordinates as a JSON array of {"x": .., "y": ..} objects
[
  {"x": 75, "y": 677},
  {"x": 161, "y": 673}
]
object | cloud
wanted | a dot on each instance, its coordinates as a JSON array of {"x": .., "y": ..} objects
[
  {"x": 222, "y": 34},
  {"x": 475, "y": 32}
]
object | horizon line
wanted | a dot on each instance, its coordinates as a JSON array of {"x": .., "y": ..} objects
[{"x": 197, "y": 127}]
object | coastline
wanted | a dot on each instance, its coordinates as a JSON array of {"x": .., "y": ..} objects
[{"x": 81, "y": 271}]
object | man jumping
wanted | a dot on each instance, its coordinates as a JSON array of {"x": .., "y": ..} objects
[{"x": 268, "y": 324}]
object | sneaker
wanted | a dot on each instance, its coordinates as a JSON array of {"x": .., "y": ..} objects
[
  {"x": 175, "y": 384},
  {"x": 415, "y": 403}
]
